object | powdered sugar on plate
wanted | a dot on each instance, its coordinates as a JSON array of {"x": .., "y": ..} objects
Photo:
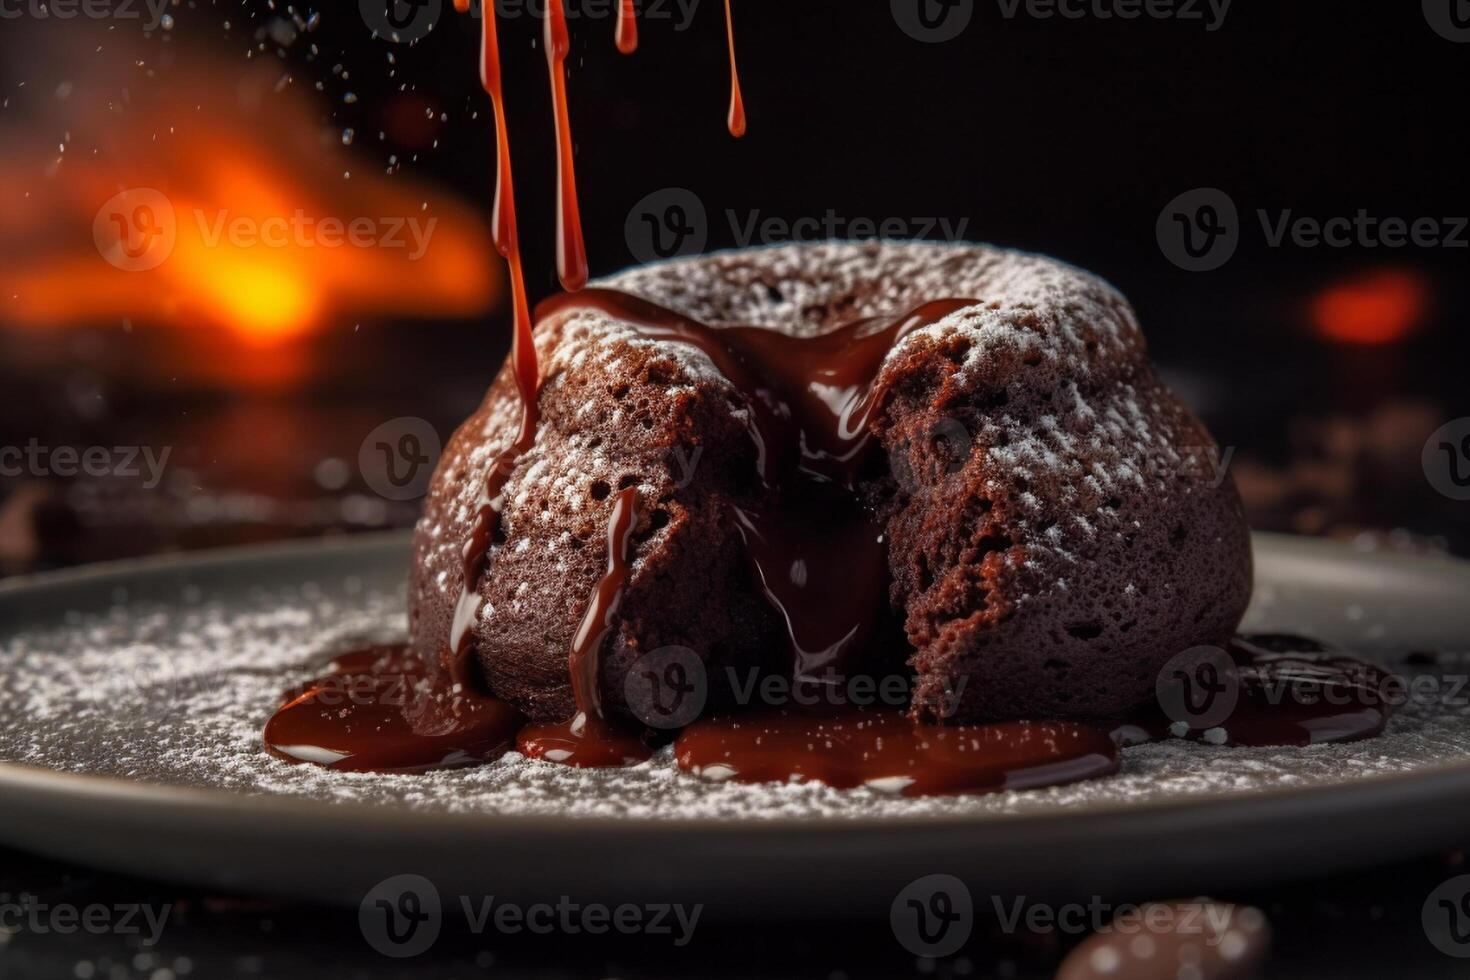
[{"x": 176, "y": 692}]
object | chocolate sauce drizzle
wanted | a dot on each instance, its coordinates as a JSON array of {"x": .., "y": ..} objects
[
  {"x": 572, "y": 270},
  {"x": 735, "y": 119},
  {"x": 523, "y": 359},
  {"x": 817, "y": 553},
  {"x": 588, "y": 739},
  {"x": 627, "y": 29},
  {"x": 571, "y": 251}
]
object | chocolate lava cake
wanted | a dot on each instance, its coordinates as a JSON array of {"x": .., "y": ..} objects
[{"x": 1055, "y": 524}]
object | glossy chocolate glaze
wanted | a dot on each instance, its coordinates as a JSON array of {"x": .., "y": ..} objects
[
  {"x": 588, "y": 738},
  {"x": 883, "y": 750},
  {"x": 816, "y": 552},
  {"x": 362, "y": 716},
  {"x": 371, "y": 712},
  {"x": 1291, "y": 691}
]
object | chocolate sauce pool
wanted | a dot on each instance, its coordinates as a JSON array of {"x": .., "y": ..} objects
[{"x": 372, "y": 711}]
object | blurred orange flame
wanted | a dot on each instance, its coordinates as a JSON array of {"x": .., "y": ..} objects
[
  {"x": 1380, "y": 307},
  {"x": 217, "y": 203}
]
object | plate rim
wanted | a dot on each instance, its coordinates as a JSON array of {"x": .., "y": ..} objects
[{"x": 38, "y": 779}]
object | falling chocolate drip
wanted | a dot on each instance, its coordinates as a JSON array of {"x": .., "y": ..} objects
[
  {"x": 523, "y": 358},
  {"x": 736, "y": 118},
  {"x": 571, "y": 251},
  {"x": 627, "y": 32}
]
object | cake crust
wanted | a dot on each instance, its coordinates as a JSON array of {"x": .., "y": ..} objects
[{"x": 1057, "y": 524}]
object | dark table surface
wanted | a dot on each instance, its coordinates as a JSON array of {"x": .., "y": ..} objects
[{"x": 1360, "y": 925}]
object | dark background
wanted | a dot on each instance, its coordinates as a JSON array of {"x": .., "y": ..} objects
[
  {"x": 1062, "y": 136},
  {"x": 1066, "y": 137}
]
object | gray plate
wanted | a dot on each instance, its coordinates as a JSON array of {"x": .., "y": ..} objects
[{"x": 133, "y": 695}]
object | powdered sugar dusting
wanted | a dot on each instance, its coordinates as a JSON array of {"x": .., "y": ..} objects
[
  {"x": 808, "y": 289},
  {"x": 1105, "y": 437},
  {"x": 177, "y": 692}
]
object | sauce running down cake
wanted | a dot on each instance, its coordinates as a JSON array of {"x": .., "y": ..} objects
[{"x": 952, "y": 462}]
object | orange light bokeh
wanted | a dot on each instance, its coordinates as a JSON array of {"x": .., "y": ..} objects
[
  {"x": 226, "y": 150},
  {"x": 1378, "y": 308}
]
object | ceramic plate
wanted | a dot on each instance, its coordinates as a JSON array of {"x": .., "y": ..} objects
[{"x": 133, "y": 696}]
